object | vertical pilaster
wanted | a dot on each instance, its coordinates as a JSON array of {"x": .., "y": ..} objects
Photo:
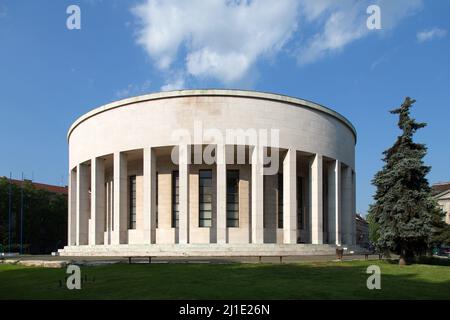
[
  {"x": 119, "y": 235},
  {"x": 97, "y": 225},
  {"x": 149, "y": 186},
  {"x": 316, "y": 173},
  {"x": 221, "y": 173},
  {"x": 290, "y": 197},
  {"x": 334, "y": 202},
  {"x": 183, "y": 222},
  {"x": 257, "y": 194},
  {"x": 107, "y": 214},
  {"x": 82, "y": 196},
  {"x": 111, "y": 211}
]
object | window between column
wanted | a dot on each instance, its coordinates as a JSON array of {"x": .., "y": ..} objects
[
  {"x": 233, "y": 198},
  {"x": 205, "y": 198},
  {"x": 280, "y": 200},
  {"x": 132, "y": 188},
  {"x": 175, "y": 199}
]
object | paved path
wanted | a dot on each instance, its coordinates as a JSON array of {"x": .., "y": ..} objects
[{"x": 46, "y": 260}]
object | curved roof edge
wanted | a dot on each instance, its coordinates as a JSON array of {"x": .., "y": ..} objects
[{"x": 213, "y": 92}]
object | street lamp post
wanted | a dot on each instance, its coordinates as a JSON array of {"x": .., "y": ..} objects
[
  {"x": 9, "y": 212},
  {"x": 21, "y": 217}
]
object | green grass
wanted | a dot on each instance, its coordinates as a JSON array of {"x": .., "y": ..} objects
[{"x": 325, "y": 280}]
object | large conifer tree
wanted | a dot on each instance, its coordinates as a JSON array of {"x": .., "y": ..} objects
[{"x": 404, "y": 210}]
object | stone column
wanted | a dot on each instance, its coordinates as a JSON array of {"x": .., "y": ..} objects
[
  {"x": 334, "y": 202},
  {"x": 290, "y": 197},
  {"x": 111, "y": 210},
  {"x": 119, "y": 235},
  {"x": 108, "y": 212},
  {"x": 221, "y": 173},
  {"x": 149, "y": 186},
  {"x": 347, "y": 206},
  {"x": 82, "y": 204},
  {"x": 183, "y": 222},
  {"x": 257, "y": 195},
  {"x": 316, "y": 199},
  {"x": 72, "y": 221},
  {"x": 97, "y": 222}
]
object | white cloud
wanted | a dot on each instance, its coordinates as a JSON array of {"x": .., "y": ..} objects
[
  {"x": 125, "y": 92},
  {"x": 312, "y": 10},
  {"x": 175, "y": 83},
  {"x": 220, "y": 39},
  {"x": 341, "y": 27},
  {"x": 133, "y": 90},
  {"x": 428, "y": 35},
  {"x": 343, "y": 22},
  {"x": 379, "y": 61},
  {"x": 224, "y": 39}
]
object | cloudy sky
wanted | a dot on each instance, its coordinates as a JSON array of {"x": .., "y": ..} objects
[{"x": 320, "y": 50}]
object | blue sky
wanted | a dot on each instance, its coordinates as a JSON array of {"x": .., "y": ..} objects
[{"x": 317, "y": 50}]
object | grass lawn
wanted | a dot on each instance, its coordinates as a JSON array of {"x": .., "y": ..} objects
[{"x": 323, "y": 280}]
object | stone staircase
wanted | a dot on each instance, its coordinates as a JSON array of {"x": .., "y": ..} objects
[{"x": 204, "y": 250}]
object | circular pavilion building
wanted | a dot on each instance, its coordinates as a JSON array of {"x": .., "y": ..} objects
[{"x": 210, "y": 173}]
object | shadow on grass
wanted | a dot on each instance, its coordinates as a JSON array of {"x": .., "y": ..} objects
[
  {"x": 434, "y": 261},
  {"x": 346, "y": 280},
  {"x": 424, "y": 260}
]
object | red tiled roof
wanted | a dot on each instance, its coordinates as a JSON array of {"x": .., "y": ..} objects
[
  {"x": 440, "y": 187},
  {"x": 43, "y": 186}
]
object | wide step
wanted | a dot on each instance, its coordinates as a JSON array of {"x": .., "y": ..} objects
[{"x": 207, "y": 250}]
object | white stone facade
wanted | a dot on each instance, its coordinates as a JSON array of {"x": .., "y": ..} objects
[
  {"x": 443, "y": 200},
  {"x": 125, "y": 191}
]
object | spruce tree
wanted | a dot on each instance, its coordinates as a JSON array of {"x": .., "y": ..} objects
[{"x": 404, "y": 210}]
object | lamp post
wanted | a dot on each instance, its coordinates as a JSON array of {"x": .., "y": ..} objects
[
  {"x": 21, "y": 217},
  {"x": 9, "y": 212}
]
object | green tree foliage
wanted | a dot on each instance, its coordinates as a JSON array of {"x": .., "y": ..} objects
[
  {"x": 404, "y": 211},
  {"x": 373, "y": 228},
  {"x": 441, "y": 236},
  {"x": 45, "y": 218}
]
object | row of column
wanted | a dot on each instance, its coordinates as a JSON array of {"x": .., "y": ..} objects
[
  {"x": 341, "y": 208},
  {"x": 84, "y": 230},
  {"x": 341, "y": 196}
]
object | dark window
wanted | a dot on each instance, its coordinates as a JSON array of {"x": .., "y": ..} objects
[
  {"x": 105, "y": 216},
  {"x": 300, "y": 207},
  {"x": 264, "y": 204},
  {"x": 280, "y": 200},
  {"x": 175, "y": 199},
  {"x": 233, "y": 198},
  {"x": 205, "y": 198},
  {"x": 132, "y": 202},
  {"x": 156, "y": 200}
]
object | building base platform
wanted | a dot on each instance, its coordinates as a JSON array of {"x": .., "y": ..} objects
[{"x": 206, "y": 250}]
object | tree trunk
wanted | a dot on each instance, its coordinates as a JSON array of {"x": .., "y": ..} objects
[
  {"x": 402, "y": 260},
  {"x": 406, "y": 257}
]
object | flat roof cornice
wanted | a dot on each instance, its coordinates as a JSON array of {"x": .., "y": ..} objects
[{"x": 213, "y": 92}]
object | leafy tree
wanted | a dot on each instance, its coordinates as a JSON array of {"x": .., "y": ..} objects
[
  {"x": 406, "y": 214},
  {"x": 442, "y": 234},
  {"x": 373, "y": 228},
  {"x": 45, "y": 218}
]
